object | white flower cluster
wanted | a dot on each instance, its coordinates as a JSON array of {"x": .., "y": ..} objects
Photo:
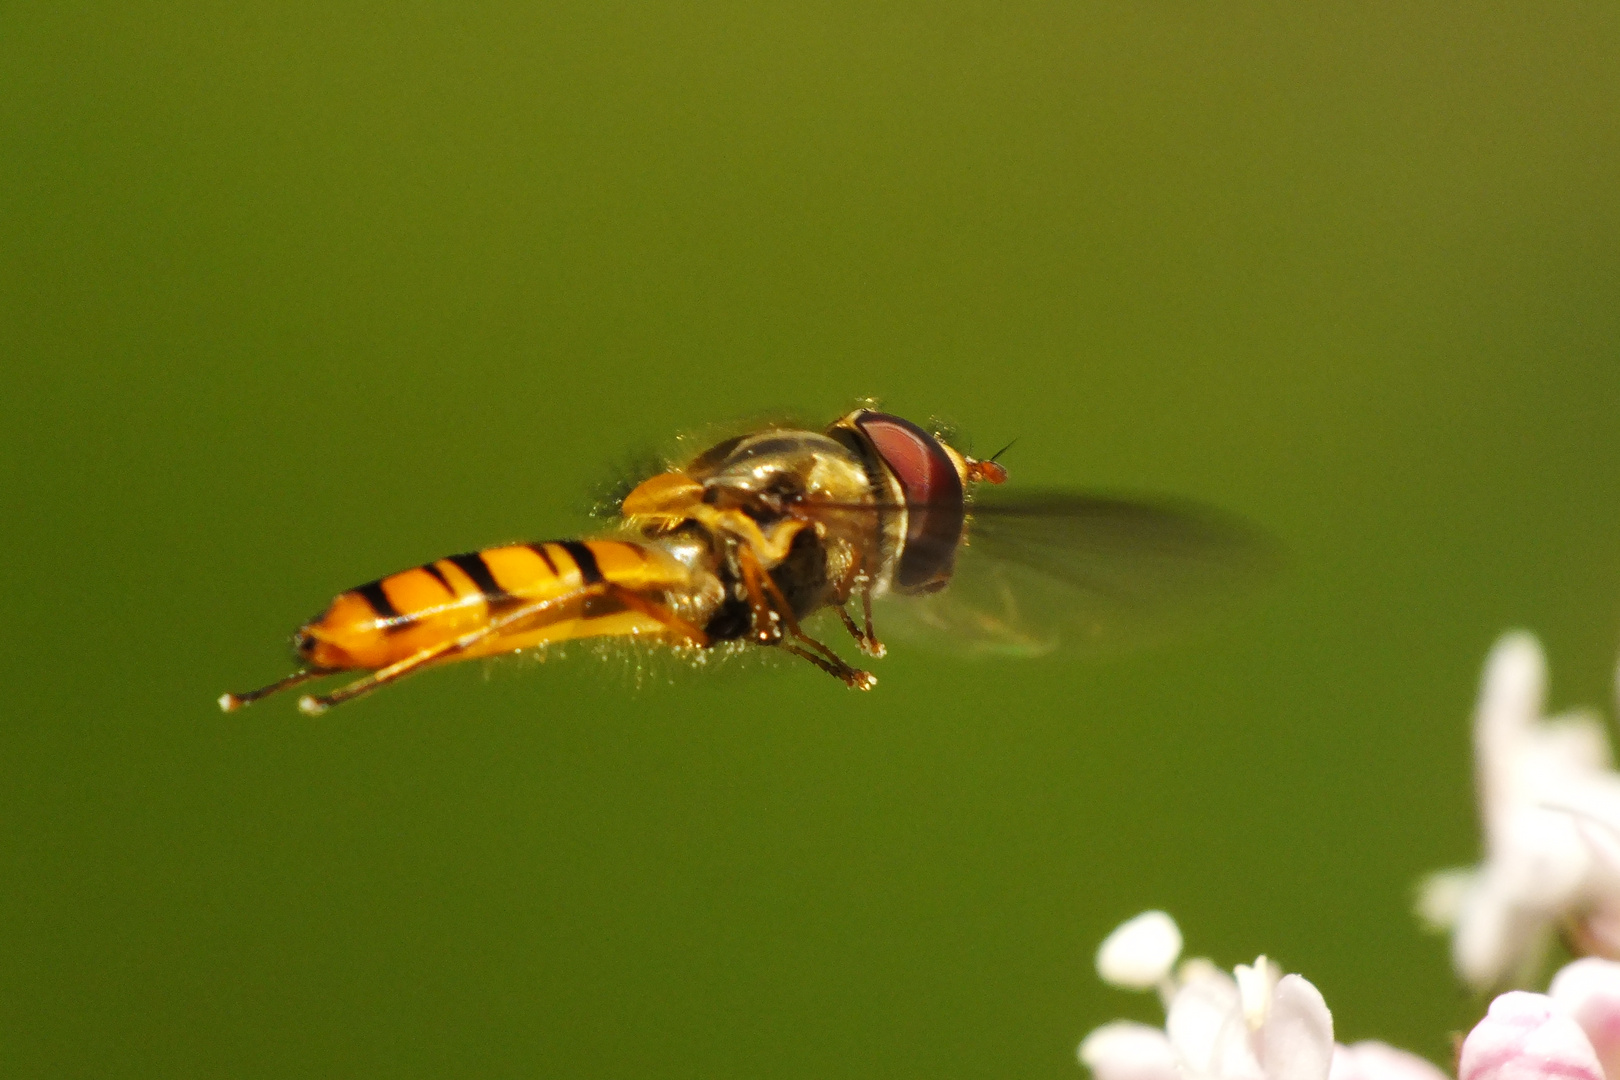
[
  {"x": 1550, "y": 805},
  {"x": 1551, "y": 808},
  {"x": 1259, "y": 1024}
]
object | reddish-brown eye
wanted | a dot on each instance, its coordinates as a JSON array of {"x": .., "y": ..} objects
[{"x": 933, "y": 493}]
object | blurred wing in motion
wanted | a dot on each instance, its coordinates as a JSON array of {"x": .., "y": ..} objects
[{"x": 1047, "y": 570}]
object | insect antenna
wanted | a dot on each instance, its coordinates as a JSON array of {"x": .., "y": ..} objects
[{"x": 988, "y": 470}]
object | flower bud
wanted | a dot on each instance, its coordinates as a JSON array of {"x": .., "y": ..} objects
[
  {"x": 1527, "y": 1037},
  {"x": 1139, "y": 952}
]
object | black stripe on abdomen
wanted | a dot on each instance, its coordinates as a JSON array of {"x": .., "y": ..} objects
[
  {"x": 438, "y": 575},
  {"x": 589, "y": 572},
  {"x": 545, "y": 556},
  {"x": 372, "y": 593},
  {"x": 473, "y": 565}
]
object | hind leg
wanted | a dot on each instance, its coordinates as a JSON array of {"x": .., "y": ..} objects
[
  {"x": 231, "y": 702},
  {"x": 510, "y": 622}
]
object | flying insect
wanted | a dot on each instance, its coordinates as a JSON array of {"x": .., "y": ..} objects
[{"x": 743, "y": 544}]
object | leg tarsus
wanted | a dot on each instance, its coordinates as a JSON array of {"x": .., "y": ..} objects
[
  {"x": 872, "y": 645},
  {"x": 854, "y": 678},
  {"x": 856, "y": 578},
  {"x": 310, "y": 705},
  {"x": 864, "y": 640},
  {"x": 231, "y": 702}
]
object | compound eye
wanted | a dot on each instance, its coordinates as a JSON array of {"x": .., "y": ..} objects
[
  {"x": 933, "y": 493},
  {"x": 924, "y": 470}
]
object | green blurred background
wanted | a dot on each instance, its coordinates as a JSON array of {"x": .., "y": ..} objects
[{"x": 293, "y": 296}]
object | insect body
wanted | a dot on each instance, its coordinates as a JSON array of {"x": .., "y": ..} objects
[{"x": 747, "y": 541}]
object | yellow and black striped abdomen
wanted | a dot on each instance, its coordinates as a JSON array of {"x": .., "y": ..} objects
[{"x": 388, "y": 620}]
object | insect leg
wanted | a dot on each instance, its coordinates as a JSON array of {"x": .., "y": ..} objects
[
  {"x": 446, "y": 650},
  {"x": 872, "y": 645},
  {"x": 864, "y": 640},
  {"x": 311, "y": 705},
  {"x": 853, "y": 677},
  {"x": 767, "y": 630},
  {"x": 314, "y": 706},
  {"x": 856, "y": 577},
  {"x": 854, "y": 631},
  {"x": 829, "y": 661},
  {"x": 232, "y": 702},
  {"x": 653, "y": 610}
]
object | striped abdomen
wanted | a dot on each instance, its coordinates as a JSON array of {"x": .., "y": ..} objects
[{"x": 385, "y": 621}]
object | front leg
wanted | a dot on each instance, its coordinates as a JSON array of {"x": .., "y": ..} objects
[
  {"x": 856, "y": 578},
  {"x": 772, "y": 613},
  {"x": 765, "y": 625},
  {"x": 865, "y": 640}
]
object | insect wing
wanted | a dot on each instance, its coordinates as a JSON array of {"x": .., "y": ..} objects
[{"x": 1048, "y": 570}]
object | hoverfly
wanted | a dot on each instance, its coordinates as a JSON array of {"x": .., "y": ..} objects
[{"x": 749, "y": 539}]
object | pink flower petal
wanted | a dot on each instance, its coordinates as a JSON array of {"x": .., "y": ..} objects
[
  {"x": 1492, "y": 936},
  {"x": 1589, "y": 990},
  {"x": 1510, "y": 699},
  {"x": 1206, "y": 1027},
  {"x": 1296, "y": 1040},
  {"x": 1603, "y": 841},
  {"x": 1527, "y": 1037},
  {"x": 1373, "y": 1060},
  {"x": 1126, "y": 1051}
]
